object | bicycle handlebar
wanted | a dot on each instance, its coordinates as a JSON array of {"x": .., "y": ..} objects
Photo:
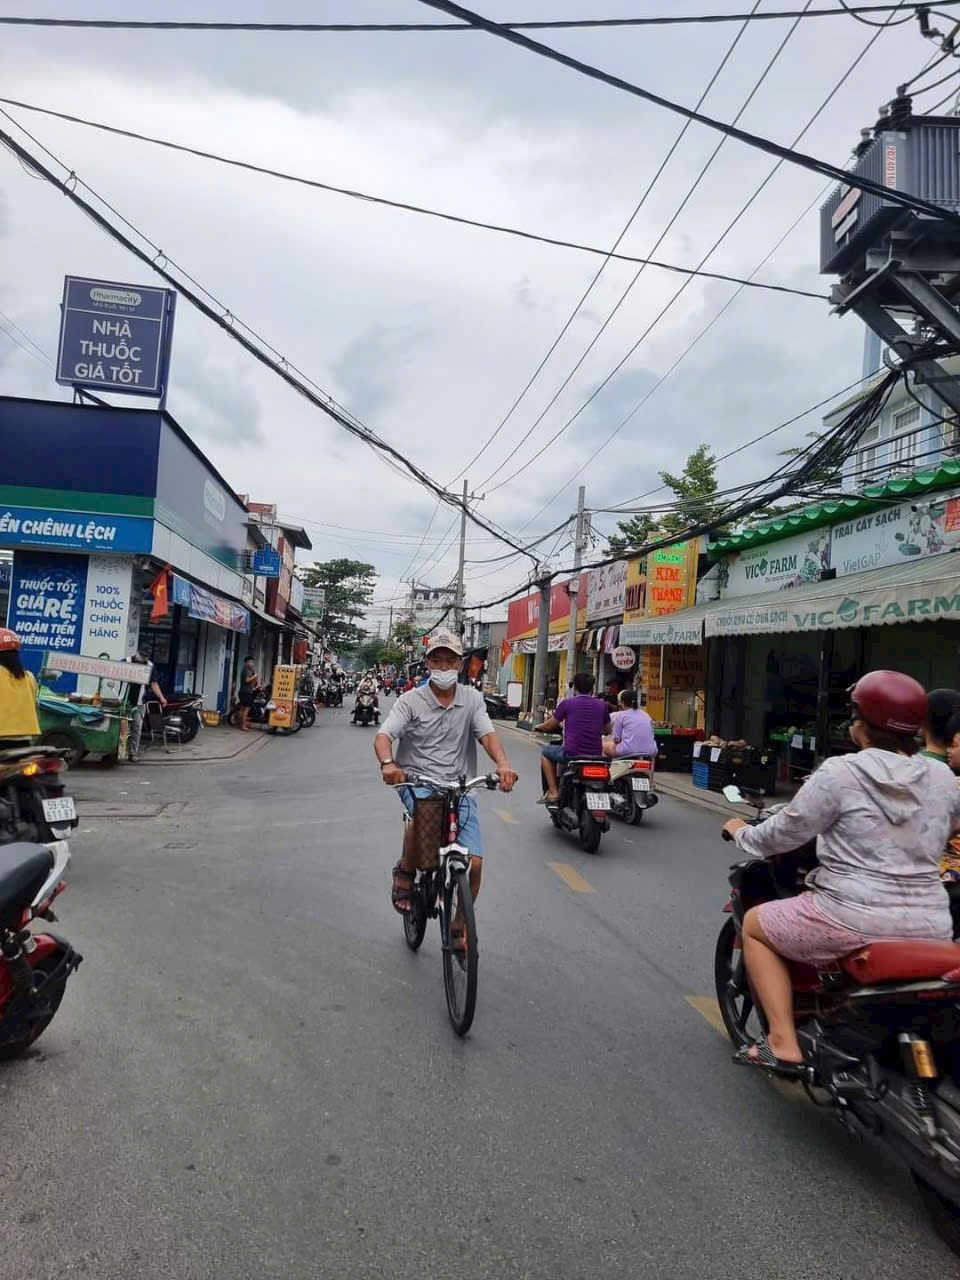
[{"x": 490, "y": 780}]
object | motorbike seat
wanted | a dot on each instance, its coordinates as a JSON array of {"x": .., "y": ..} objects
[
  {"x": 903, "y": 960},
  {"x": 23, "y": 869},
  {"x": 24, "y": 753}
]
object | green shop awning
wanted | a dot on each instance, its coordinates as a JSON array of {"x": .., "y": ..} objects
[{"x": 921, "y": 591}]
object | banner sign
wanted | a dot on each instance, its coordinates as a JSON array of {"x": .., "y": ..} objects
[
  {"x": 606, "y": 590},
  {"x": 314, "y": 600},
  {"x": 266, "y": 563},
  {"x": 776, "y": 566},
  {"x": 926, "y": 526},
  {"x": 114, "y": 337},
  {"x": 554, "y": 643},
  {"x": 79, "y": 530},
  {"x": 46, "y": 604},
  {"x": 208, "y": 607},
  {"x": 283, "y": 696},
  {"x": 296, "y": 595},
  {"x": 881, "y": 606},
  {"x": 100, "y": 668},
  {"x": 663, "y": 631}
]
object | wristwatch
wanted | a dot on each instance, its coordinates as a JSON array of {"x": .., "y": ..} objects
[{"x": 384, "y": 763}]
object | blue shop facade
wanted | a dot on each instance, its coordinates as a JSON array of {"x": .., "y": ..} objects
[{"x": 95, "y": 502}]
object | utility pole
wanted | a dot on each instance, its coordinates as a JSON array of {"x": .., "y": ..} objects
[
  {"x": 543, "y": 641},
  {"x": 390, "y": 627},
  {"x": 461, "y": 598},
  {"x": 578, "y": 547}
]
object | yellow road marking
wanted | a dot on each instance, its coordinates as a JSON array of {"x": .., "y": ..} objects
[
  {"x": 571, "y": 877},
  {"x": 504, "y": 816},
  {"x": 708, "y": 1008}
]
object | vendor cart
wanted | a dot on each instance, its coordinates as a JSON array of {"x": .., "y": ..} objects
[{"x": 89, "y": 724}]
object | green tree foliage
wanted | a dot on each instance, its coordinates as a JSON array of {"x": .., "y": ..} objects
[
  {"x": 695, "y": 487},
  {"x": 349, "y": 585}
]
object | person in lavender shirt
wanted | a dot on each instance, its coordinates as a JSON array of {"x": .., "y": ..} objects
[{"x": 632, "y": 730}]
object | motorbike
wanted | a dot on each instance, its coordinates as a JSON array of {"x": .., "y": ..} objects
[
  {"x": 879, "y": 1029},
  {"x": 631, "y": 778},
  {"x": 33, "y": 806},
  {"x": 259, "y": 708},
  {"x": 34, "y": 967},
  {"x": 306, "y": 710},
  {"x": 585, "y": 799},
  {"x": 189, "y": 708},
  {"x": 497, "y": 708},
  {"x": 366, "y": 711}
]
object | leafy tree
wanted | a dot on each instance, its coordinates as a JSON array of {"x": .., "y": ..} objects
[
  {"x": 349, "y": 585},
  {"x": 695, "y": 487}
]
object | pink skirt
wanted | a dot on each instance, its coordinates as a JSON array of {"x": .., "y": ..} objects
[{"x": 799, "y": 930}]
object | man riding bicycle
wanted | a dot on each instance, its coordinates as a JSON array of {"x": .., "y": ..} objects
[{"x": 433, "y": 730}]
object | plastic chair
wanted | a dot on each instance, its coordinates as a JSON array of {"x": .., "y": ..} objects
[{"x": 165, "y": 729}]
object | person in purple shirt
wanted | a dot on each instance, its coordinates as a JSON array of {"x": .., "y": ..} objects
[
  {"x": 585, "y": 719},
  {"x": 632, "y": 730}
]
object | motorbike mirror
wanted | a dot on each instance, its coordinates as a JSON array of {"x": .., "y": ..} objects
[{"x": 733, "y": 795}]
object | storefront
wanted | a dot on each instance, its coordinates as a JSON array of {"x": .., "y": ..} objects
[
  {"x": 90, "y": 530},
  {"x": 521, "y": 634}
]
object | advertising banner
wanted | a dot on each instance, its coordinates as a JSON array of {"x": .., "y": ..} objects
[
  {"x": 204, "y": 605},
  {"x": 114, "y": 337},
  {"x": 635, "y": 594},
  {"x": 284, "y": 693},
  {"x": 79, "y": 530},
  {"x": 606, "y": 590},
  {"x": 916, "y": 529},
  {"x": 100, "y": 668},
  {"x": 46, "y": 605},
  {"x": 314, "y": 599},
  {"x": 523, "y": 615},
  {"x": 671, "y": 578},
  {"x": 663, "y": 631},
  {"x": 776, "y": 566}
]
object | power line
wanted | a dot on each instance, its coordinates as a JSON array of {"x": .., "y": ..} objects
[
  {"x": 705, "y": 168},
  {"x": 660, "y": 381},
  {"x": 790, "y": 154},
  {"x": 568, "y": 24},
  {"x": 11, "y": 329},
  {"x": 405, "y": 207},
  {"x": 603, "y": 265},
  {"x": 224, "y": 321}
]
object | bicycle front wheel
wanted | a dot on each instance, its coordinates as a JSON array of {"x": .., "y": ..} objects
[{"x": 459, "y": 967}]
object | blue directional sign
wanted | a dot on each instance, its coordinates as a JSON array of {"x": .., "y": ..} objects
[
  {"x": 115, "y": 337},
  {"x": 266, "y": 563}
]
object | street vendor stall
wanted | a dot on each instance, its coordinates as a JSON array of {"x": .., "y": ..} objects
[{"x": 91, "y": 724}]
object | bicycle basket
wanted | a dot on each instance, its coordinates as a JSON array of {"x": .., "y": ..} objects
[{"x": 428, "y": 831}]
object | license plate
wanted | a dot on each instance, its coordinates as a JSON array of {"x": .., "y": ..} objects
[
  {"x": 598, "y": 800},
  {"x": 60, "y": 810},
  {"x": 641, "y": 784}
]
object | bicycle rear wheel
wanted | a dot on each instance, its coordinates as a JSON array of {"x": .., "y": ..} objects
[{"x": 459, "y": 967}]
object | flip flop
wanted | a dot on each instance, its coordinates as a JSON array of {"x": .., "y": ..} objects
[{"x": 767, "y": 1060}]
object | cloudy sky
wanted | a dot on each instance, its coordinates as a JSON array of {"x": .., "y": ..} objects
[{"x": 428, "y": 331}]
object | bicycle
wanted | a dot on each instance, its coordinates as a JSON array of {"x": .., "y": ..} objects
[{"x": 444, "y": 891}]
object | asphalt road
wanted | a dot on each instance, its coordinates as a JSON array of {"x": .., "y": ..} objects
[{"x": 251, "y": 1075}]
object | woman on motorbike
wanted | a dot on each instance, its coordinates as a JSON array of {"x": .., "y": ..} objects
[{"x": 881, "y": 817}]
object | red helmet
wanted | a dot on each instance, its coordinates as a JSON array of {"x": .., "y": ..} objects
[
  {"x": 8, "y": 639},
  {"x": 890, "y": 700}
]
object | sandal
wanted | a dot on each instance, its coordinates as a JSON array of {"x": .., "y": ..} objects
[
  {"x": 402, "y": 890},
  {"x": 767, "y": 1060}
]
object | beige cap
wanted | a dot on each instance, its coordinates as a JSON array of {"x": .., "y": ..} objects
[{"x": 445, "y": 640}]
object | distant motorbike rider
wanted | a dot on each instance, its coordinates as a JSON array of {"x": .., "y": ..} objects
[{"x": 367, "y": 688}]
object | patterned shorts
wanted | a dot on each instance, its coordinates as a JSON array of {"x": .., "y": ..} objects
[{"x": 799, "y": 930}]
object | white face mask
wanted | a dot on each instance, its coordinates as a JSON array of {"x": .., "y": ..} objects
[{"x": 444, "y": 679}]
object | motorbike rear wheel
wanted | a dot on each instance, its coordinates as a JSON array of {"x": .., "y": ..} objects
[
  {"x": 733, "y": 991},
  {"x": 943, "y": 1213},
  {"x": 191, "y": 726},
  {"x": 41, "y": 972},
  {"x": 590, "y": 832}
]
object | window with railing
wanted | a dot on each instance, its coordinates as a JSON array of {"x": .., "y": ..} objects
[
  {"x": 868, "y": 454},
  {"x": 905, "y": 445}
]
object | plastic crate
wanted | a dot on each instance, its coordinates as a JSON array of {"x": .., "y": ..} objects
[
  {"x": 701, "y": 774},
  {"x": 720, "y": 776}
]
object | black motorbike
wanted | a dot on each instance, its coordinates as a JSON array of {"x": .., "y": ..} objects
[
  {"x": 306, "y": 711},
  {"x": 367, "y": 710},
  {"x": 33, "y": 803},
  {"x": 497, "y": 708},
  {"x": 259, "y": 708},
  {"x": 879, "y": 1029},
  {"x": 584, "y": 790},
  {"x": 188, "y": 707}
]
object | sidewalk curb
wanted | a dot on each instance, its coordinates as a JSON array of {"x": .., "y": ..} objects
[{"x": 248, "y": 749}]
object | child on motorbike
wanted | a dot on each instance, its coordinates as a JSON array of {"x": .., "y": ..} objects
[{"x": 882, "y": 817}]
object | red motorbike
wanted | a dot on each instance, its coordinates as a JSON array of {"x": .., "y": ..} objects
[
  {"x": 879, "y": 1029},
  {"x": 34, "y": 967}
]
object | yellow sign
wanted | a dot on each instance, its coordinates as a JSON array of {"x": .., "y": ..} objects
[
  {"x": 635, "y": 598},
  {"x": 671, "y": 578},
  {"x": 284, "y": 697}
]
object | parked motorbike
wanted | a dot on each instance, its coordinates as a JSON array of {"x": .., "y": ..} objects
[
  {"x": 497, "y": 708},
  {"x": 189, "y": 708},
  {"x": 33, "y": 806},
  {"x": 631, "y": 778},
  {"x": 259, "y": 709},
  {"x": 306, "y": 711},
  {"x": 34, "y": 967},
  {"x": 366, "y": 710},
  {"x": 879, "y": 1029},
  {"x": 585, "y": 796}
]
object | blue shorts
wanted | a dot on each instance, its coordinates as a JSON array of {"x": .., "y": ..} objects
[
  {"x": 470, "y": 835},
  {"x": 556, "y": 754}
]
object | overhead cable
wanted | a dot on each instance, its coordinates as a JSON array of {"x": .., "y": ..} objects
[
  {"x": 500, "y": 229},
  {"x": 224, "y": 322},
  {"x": 792, "y": 156},
  {"x": 562, "y": 24}
]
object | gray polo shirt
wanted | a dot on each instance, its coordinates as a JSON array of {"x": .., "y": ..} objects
[{"x": 436, "y": 740}]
